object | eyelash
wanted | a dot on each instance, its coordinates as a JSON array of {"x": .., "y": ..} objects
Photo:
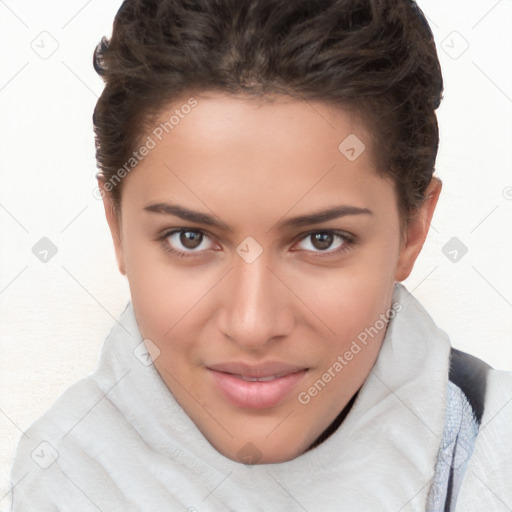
[{"x": 348, "y": 242}]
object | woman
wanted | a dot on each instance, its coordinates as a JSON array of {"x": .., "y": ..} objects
[{"x": 267, "y": 170}]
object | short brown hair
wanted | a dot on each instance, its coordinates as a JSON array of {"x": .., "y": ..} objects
[{"x": 375, "y": 56}]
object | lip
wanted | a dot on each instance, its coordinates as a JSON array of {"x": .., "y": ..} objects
[{"x": 279, "y": 380}]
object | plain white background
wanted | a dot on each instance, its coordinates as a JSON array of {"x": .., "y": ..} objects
[{"x": 56, "y": 314}]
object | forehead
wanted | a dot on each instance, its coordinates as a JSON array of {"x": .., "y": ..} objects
[
  {"x": 241, "y": 152},
  {"x": 279, "y": 123}
]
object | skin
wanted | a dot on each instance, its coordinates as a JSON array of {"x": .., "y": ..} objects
[{"x": 253, "y": 164}]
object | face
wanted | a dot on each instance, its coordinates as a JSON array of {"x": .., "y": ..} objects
[{"x": 259, "y": 246}]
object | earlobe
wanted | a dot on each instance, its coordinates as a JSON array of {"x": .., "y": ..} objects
[
  {"x": 417, "y": 230},
  {"x": 114, "y": 224}
]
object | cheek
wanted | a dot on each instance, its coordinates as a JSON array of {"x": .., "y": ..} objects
[
  {"x": 163, "y": 305},
  {"x": 168, "y": 299},
  {"x": 154, "y": 287},
  {"x": 349, "y": 299},
  {"x": 348, "y": 304}
]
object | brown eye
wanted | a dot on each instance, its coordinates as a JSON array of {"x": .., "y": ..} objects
[
  {"x": 322, "y": 241},
  {"x": 191, "y": 239},
  {"x": 325, "y": 243},
  {"x": 187, "y": 242}
]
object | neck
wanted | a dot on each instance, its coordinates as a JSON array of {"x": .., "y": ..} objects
[{"x": 335, "y": 423}]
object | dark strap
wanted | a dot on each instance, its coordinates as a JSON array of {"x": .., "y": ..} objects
[{"x": 470, "y": 374}]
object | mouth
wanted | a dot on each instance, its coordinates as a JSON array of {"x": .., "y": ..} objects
[
  {"x": 260, "y": 379},
  {"x": 256, "y": 387}
]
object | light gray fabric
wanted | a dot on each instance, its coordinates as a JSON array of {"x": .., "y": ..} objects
[
  {"x": 118, "y": 441},
  {"x": 487, "y": 484},
  {"x": 459, "y": 437}
]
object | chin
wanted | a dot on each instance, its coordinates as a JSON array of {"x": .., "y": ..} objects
[{"x": 257, "y": 449}]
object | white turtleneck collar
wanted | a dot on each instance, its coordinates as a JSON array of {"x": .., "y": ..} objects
[{"x": 124, "y": 443}]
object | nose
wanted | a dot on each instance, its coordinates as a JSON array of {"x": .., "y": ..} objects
[{"x": 256, "y": 305}]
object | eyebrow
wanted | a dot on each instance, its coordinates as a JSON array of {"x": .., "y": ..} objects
[{"x": 334, "y": 212}]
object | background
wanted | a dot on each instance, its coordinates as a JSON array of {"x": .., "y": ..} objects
[{"x": 60, "y": 290}]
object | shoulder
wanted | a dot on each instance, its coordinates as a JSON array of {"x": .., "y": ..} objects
[
  {"x": 58, "y": 421},
  {"x": 484, "y": 386},
  {"x": 489, "y": 473},
  {"x": 488, "y": 391},
  {"x": 472, "y": 471},
  {"x": 498, "y": 404},
  {"x": 54, "y": 453}
]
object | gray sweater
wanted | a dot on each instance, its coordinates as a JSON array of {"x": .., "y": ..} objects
[{"x": 117, "y": 440}]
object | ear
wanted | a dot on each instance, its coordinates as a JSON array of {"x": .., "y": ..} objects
[
  {"x": 416, "y": 231},
  {"x": 114, "y": 223}
]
